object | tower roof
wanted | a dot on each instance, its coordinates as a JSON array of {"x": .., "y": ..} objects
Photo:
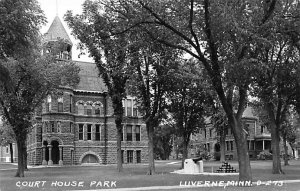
[{"x": 56, "y": 31}]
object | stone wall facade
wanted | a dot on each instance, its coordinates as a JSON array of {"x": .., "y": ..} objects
[{"x": 67, "y": 136}]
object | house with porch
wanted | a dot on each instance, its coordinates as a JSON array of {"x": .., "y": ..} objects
[{"x": 259, "y": 138}]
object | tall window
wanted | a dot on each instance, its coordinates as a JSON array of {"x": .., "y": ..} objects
[
  {"x": 227, "y": 145},
  {"x": 205, "y": 133},
  {"x": 137, "y": 133},
  {"x": 52, "y": 126},
  {"x": 45, "y": 126},
  {"x": 250, "y": 145},
  {"x": 138, "y": 156},
  {"x": 122, "y": 134},
  {"x": 80, "y": 132},
  {"x": 122, "y": 156},
  {"x": 124, "y": 107},
  {"x": 89, "y": 132},
  {"x": 262, "y": 129},
  {"x": 247, "y": 128},
  {"x": 71, "y": 127},
  {"x": 129, "y": 107},
  {"x": 71, "y": 102},
  {"x": 97, "y": 133},
  {"x": 129, "y": 156},
  {"x": 97, "y": 110},
  {"x": 231, "y": 145},
  {"x": 135, "y": 111},
  {"x": 89, "y": 110},
  {"x": 59, "y": 127},
  {"x": 60, "y": 104},
  {"x": 48, "y": 104},
  {"x": 80, "y": 107},
  {"x": 210, "y": 132},
  {"x": 129, "y": 132}
]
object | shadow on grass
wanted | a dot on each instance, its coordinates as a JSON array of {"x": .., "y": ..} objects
[{"x": 134, "y": 175}]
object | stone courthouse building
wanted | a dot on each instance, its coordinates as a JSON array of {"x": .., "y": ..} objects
[{"x": 78, "y": 127}]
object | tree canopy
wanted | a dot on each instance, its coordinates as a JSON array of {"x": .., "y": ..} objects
[{"x": 19, "y": 30}]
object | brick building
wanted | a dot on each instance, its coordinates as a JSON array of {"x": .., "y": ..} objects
[
  {"x": 5, "y": 154},
  {"x": 259, "y": 138},
  {"x": 78, "y": 126}
]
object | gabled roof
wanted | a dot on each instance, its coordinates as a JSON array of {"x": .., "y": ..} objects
[
  {"x": 248, "y": 113},
  {"x": 56, "y": 31},
  {"x": 90, "y": 81}
]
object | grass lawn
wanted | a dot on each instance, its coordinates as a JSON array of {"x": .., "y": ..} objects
[{"x": 104, "y": 177}]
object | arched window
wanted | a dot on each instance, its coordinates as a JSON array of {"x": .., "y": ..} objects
[
  {"x": 45, "y": 127},
  {"x": 98, "y": 108},
  {"x": 89, "y": 110},
  {"x": 80, "y": 108}
]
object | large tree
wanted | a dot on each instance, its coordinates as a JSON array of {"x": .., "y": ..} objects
[
  {"x": 190, "y": 99},
  {"x": 220, "y": 124},
  {"x": 25, "y": 77},
  {"x": 212, "y": 32},
  {"x": 275, "y": 77},
  {"x": 150, "y": 79},
  {"x": 19, "y": 31},
  {"x": 226, "y": 37},
  {"x": 32, "y": 78},
  {"x": 94, "y": 28},
  {"x": 163, "y": 141}
]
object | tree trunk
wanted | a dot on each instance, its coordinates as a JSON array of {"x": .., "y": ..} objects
[
  {"x": 11, "y": 153},
  {"x": 293, "y": 150},
  {"x": 25, "y": 156},
  {"x": 119, "y": 127},
  {"x": 165, "y": 155},
  {"x": 240, "y": 137},
  {"x": 286, "y": 159},
  {"x": 185, "y": 151},
  {"x": 20, "y": 143},
  {"x": 118, "y": 113},
  {"x": 275, "y": 149},
  {"x": 274, "y": 142},
  {"x": 222, "y": 146},
  {"x": 150, "y": 132}
]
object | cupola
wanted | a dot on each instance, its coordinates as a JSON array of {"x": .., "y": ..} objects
[{"x": 57, "y": 38}]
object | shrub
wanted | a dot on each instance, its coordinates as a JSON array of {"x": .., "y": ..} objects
[
  {"x": 264, "y": 155},
  {"x": 217, "y": 156}
]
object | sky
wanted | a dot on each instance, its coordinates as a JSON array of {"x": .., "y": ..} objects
[{"x": 52, "y": 8}]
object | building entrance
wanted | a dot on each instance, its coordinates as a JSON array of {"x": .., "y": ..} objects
[{"x": 55, "y": 152}]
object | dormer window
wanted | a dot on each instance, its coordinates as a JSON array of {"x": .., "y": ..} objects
[{"x": 130, "y": 108}]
